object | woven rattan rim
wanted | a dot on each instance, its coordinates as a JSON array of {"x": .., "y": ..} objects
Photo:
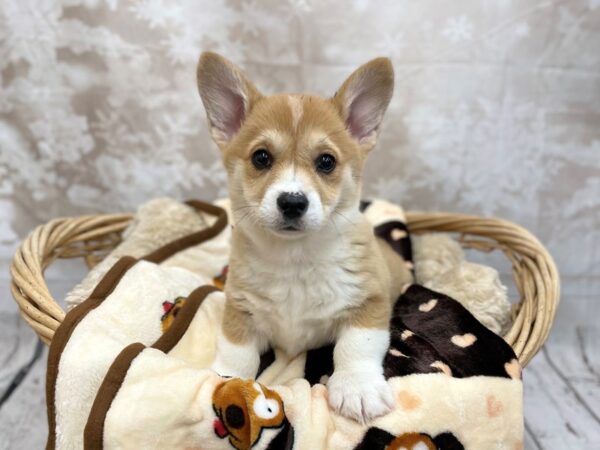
[{"x": 91, "y": 237}]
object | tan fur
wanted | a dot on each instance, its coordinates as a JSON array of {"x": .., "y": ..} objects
[
  {"x": 375, "y": 311},
  {"x": 296, "y": 129},
  {"x": 384, "y": 267},
  {"x": 295, "y": 145},
  {"x": 237, "y": 324},
  {"x": 398, "y": 267}
]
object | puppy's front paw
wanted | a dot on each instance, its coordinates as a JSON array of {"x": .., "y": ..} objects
[
  {"x": 361, "y": 395},
  {"x": 236, "y": 360}
]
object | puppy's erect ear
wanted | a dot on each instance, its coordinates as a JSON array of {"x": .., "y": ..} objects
[
  {"x": 227, "y": 95},
  {"x": 363, "y": 99}
]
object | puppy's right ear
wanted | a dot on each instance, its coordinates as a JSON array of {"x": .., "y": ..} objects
[{"x": 227, "y": 95}]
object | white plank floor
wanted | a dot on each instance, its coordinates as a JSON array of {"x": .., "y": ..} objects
[{"x": 562, "y": 385}]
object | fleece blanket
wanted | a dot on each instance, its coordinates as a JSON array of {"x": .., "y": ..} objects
[{"x": 128, "y": 368}]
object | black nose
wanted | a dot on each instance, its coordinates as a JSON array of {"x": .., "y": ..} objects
[{"x": 292, "y": 204}]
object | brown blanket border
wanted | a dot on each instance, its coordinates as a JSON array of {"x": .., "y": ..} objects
[
  {"x": 93, "y": 435},
  {"x": 104, "y": 288},
  {"x": 65, "y": 330}
]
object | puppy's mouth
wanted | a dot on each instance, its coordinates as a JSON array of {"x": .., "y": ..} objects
[{"x": 290, "y": 228}]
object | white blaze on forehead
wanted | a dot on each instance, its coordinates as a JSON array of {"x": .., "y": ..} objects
[
  {"x": 291, "y": 180},
  {"x": 295, "y": 102}
]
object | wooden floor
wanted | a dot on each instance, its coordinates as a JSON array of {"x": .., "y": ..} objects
[{"x": 562, "y": 386}]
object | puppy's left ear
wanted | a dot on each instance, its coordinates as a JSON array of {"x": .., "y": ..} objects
[{"x": 363, "y": 99}]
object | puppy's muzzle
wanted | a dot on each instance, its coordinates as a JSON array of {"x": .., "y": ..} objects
[{"x": 292, "y": 205}]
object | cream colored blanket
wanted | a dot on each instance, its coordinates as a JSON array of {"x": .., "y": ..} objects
[{"x": 127, "y": 368}]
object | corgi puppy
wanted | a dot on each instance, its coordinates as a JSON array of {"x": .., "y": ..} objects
[{"x": 306, "y": 269}]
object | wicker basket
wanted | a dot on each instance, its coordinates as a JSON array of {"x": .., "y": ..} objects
[{"x": 92, "y": 237}]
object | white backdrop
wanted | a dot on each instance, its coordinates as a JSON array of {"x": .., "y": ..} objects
[{"x": 496, "y": 109}]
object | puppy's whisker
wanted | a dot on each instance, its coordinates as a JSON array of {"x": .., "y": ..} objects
[
  {"x": 244, "y": 217},
  {"x": 241, "y": 208},
  {"x": 335, "y": 226},
  {"x": 343, "y": 216}
]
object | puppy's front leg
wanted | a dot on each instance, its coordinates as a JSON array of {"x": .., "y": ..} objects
[
  {"x": 357, "y": 388},
  {"x": 238, "y": 345}
]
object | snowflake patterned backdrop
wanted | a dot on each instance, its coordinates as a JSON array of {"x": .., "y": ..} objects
[{"x": 496, "y": 109}]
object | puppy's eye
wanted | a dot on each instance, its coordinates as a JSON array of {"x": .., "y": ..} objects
[
  {"x": 261, "y": 159},
  {"x": 325, "y": 163}
]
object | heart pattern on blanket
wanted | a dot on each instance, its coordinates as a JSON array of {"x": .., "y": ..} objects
[
  {"x": 397, "y": 353},
  {"x": 427, "y": 307},
  {"x": 406, "y": 334},
  {"x": 441, "y": 330},
  {"x": 494, "y": 406},
  {"x": 445, "y": 368},
  {"x": 408, "y": 400},
  {"x": 431, "y": 340},
  {"x": 398, "y": 234},
  {"x": 513, "y": 369},
  {"x": 464, "y": 340}
]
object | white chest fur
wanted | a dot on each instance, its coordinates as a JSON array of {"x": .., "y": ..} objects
[{"x": 297, "y": 294}]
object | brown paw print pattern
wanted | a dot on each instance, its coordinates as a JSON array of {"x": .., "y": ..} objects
[
  {"x": 378, "y": 439},
  {"x": 243, "y": 409}
]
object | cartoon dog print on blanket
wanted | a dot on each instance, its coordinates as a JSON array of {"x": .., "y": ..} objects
[
  {"x": 219, "y": 280},
  {"x": 412, "y": 441},
  {"x": 244, "y": 408},
  {"x": 170, "y": 311},
  {"x": 378, "y": 439}
]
